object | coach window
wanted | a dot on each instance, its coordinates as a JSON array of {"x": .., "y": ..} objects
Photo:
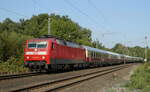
[
  {"x": 91, "y": 54},
  {"x": 102, "y": 55},
  {"x": 110, "y": 55},
  {"x": 95, "y": 54},
  {"x": 106, "y": 55},
  {"x": 99, "y": 55},
  {"x": 115, "y": 57}
]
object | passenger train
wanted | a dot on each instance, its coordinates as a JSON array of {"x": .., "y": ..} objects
[{"x": 52, "y": 53}]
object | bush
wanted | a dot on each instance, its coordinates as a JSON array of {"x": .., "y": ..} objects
[{"x": 12, "y": 65}]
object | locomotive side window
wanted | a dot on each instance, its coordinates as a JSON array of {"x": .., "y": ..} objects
[
  {"x": 52, "y": 45},
  {"x": 61, "y": 42},
  {"x": 71, "y": 44}
]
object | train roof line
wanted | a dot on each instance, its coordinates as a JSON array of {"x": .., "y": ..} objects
[
  {"x": 107, "y": 52},
  {"x": 89, "y": 48}
]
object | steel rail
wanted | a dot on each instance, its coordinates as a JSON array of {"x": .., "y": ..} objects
[
  {"x": 57, "y": 84},
  {"x": 21, "y": 75}
]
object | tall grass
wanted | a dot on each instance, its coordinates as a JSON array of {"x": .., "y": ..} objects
[{"x": 140, "y": 80}]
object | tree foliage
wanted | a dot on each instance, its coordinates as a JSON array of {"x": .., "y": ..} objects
[
  {"x": 97, "y": 44},
  {"x": 12, "y": 45},
  {"x": 136, "y": 51}
]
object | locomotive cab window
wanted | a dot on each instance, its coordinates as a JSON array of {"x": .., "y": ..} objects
[
  {"x": 32, "y": 45},
  {"x": 41, "y": 44}
]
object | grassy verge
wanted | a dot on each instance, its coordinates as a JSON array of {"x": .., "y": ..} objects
[
  {"x": 12, "y": 65},
  {"x": 140, "y": 80}
]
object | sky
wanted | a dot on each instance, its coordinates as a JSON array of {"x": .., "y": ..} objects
[{"x": 111, "y": 21}]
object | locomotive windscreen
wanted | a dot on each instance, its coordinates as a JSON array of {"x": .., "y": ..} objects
[{"x": 39, "y": 44}]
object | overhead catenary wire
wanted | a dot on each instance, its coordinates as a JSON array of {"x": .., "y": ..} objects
[
  {"x": 90, "y": 18},
  {"x": 100, "y": 13},
  {"x": 34, "y": 5},
  {"x": 37, "y": 5},
  {"x": 13, "y": 12},
  {"x": 83, "y": 13},
  {"x": 97, "y": 9},
  {"x": 74, "y": 7}
]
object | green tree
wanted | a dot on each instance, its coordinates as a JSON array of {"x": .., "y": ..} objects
[
  {"x": 119, "y": 48},
  {"x": 97, "y": 44},
  {"x": 12, "y": 45}
]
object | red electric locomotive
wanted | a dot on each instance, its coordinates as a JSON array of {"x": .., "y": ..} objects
[{"x": 49, "y": 52}]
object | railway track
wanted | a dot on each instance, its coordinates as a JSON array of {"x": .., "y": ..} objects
[
  {"x": 21, "y": 75},
  {"x": 60, "y": 84}
]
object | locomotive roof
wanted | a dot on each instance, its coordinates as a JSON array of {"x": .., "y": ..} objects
[
  {"x": 54, "y": 37},
  {"x": 46, "y": 37},
  {"x": 49, "y": 36}
]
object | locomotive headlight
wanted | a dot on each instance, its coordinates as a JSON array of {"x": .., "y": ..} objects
[
  {"x": 27, "y": 57},
  {"x": 43, "y": 57}
]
